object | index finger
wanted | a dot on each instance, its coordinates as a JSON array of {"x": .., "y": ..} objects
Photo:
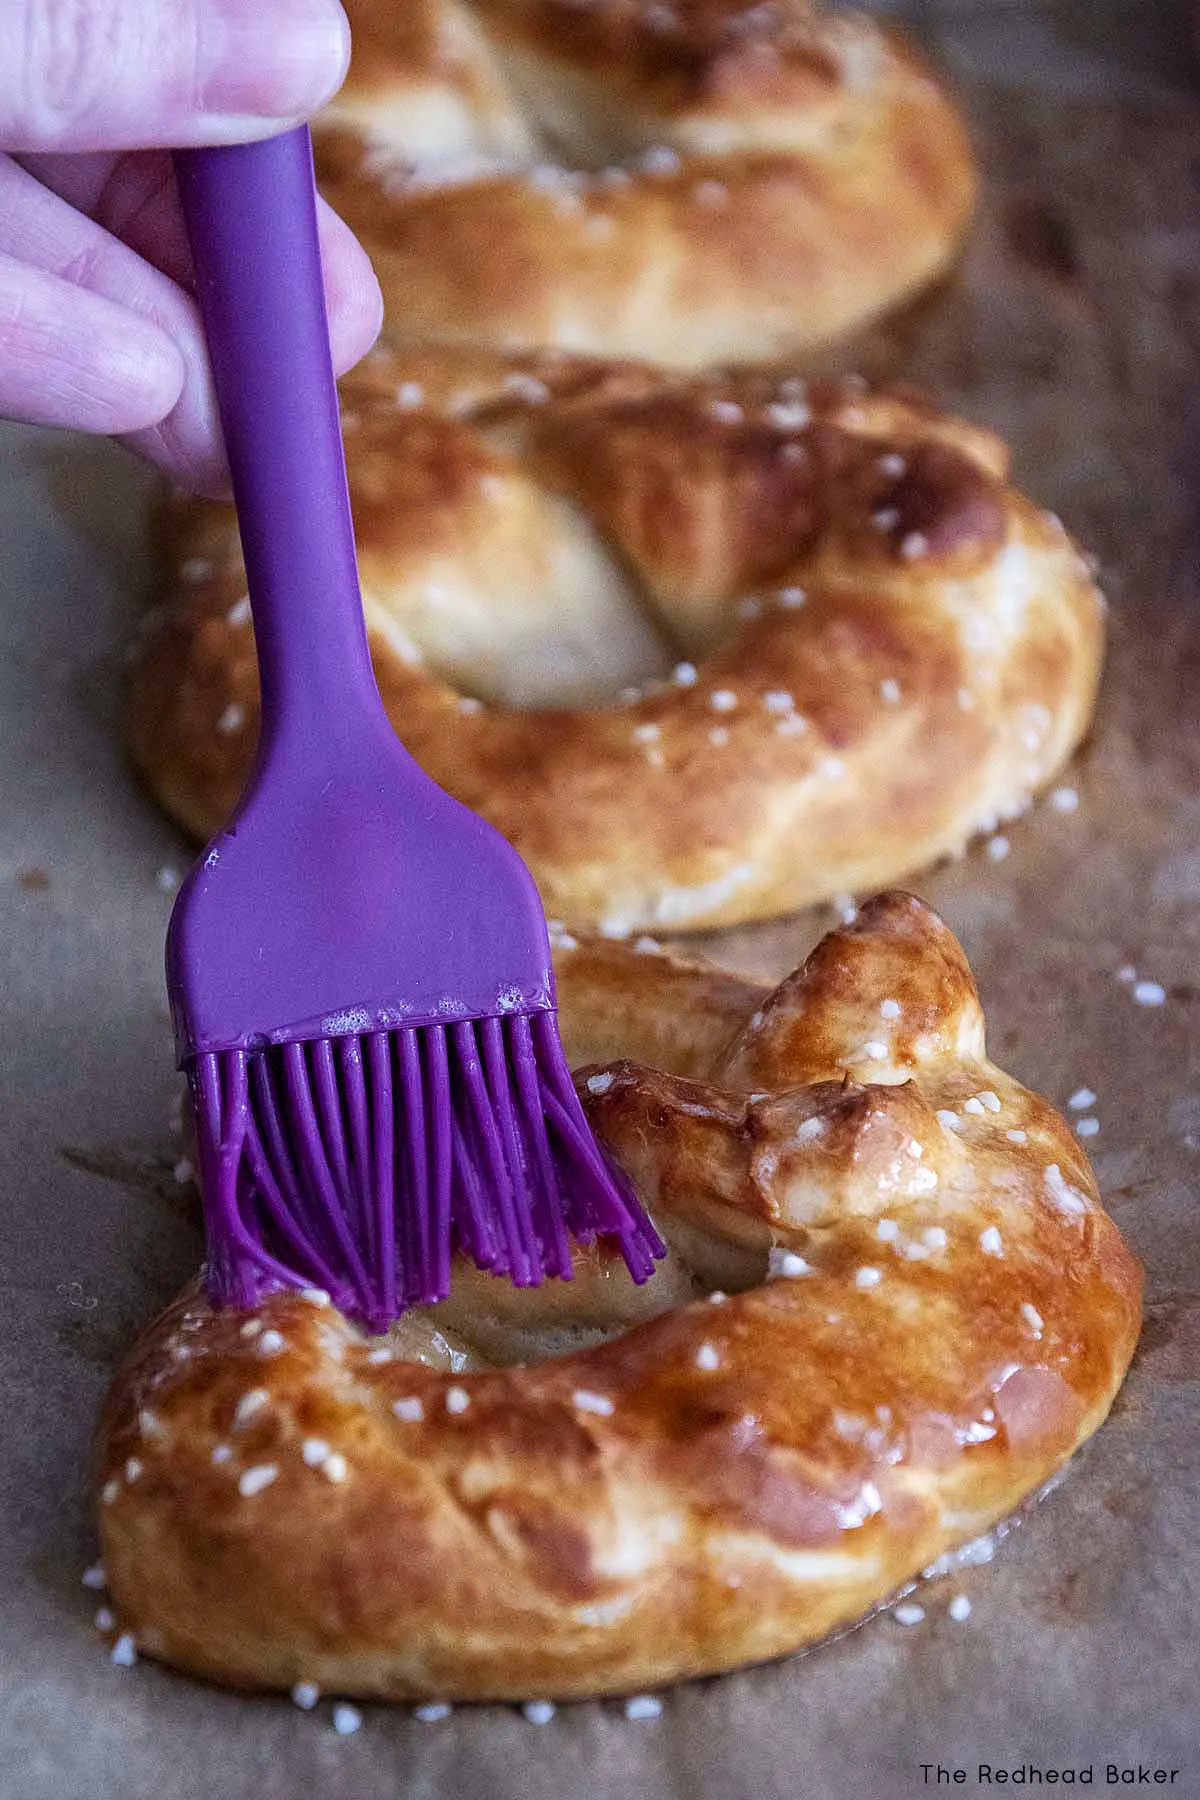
[{"x": 117, "y": 74}]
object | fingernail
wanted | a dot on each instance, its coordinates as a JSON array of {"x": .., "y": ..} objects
[{"x": 274, "y": 59}]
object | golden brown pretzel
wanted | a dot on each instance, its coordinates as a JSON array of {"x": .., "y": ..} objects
[
  {"x": 283, "y": 1500},
  {"x": 692, "y": 182},
  {"x": 849, "y": 643}
]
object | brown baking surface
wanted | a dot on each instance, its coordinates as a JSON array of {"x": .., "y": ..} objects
[{"x": 1072, "y": 329}]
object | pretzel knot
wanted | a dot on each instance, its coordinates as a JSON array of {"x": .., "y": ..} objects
[
  {"x": 893, "y": 1308},
  {"x": 704, "y": 649},
  {"x": 691, "y": 183}
]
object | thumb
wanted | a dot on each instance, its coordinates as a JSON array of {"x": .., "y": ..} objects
[{"x": 120, "y": 74}]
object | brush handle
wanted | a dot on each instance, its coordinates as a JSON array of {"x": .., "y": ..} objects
[{"x": 251, "y": 216}]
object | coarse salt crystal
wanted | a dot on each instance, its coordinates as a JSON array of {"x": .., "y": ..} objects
[
  {"x": 1064, "y": 799},
  {"x": 949, "y": 1119},
  {"x": 1017, "y": 1136},
  {"x": 792, "y": 597},
  {"x": 411, "y": 1410},
  {"x": 600, "y": 1084},
  {"x": 990, "y": 1241},
  {"x": 718, "y": 736},
  {"x": 959, "y": 1608},
  {"x": 868, "y": 1278},
  {"x": 1032, "y": 1318},
  {"x": 889, "y": 691},
  {"x": 539, "y": 1712},
  {"x": 991, "y": 1100},
  {"x": 346, "y": 1719},
  {"x": 1063, "y": 1195},
  {"x": 1149, "y": 993},
  {"x": 1081, "y": 1099},
  {"x": 305, "y": 1695},
  {"x": 251, "y": 1328},
  {"x": 430, "y": 1711},
  {"x": 875, "y": 1051},
  {"x": 723, "y": 700},
  {"x": 973, "y": 1105},
  {"x": 253, "y": 1481},
  {"x": 684, "y": 674},
  {"x": 915, "y": 544},
  {"x": 584, "y": 1400},
  {"x": 708, "y": 1357},
  {"x": 908, "y": 1613},
  {"x": 335, "y": 1467},
  {"x": 232, "y": 719},
  {"x": 787, "y": 1263},
  {"x": 935, "y": 1237},
  {"x": 314, "y": 1451},
  {"x": 1087, "y": 1128},
  {"x": 104, "y": 1618},
  {"x": 250, "y": 1403},
  {"x": 133, "y": 1468},
  {"x": 409, "y": 394},
  {"x": 94, "y": 1577},
  {"x": 239, "y": 612},
  {"x": 643, "y": 1706},
  {"x": 124, "y": 1651},
  {"x": 109, "y": 1492},
  {"x": 270, "y": 1343},
  {"x": 891, "y": 465},
  {"x": 457, "y": 1400},
  {"x": 887, "y": 1231},
  {"x": 998, "y": 848},
  {"x": 889, "y": 1009}
]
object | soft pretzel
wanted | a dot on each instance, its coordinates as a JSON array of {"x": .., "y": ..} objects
[
  {"x": 704, "y": 649},
  {"x": 894, "y": 1306},
  {"x": 692, "y": 182}
]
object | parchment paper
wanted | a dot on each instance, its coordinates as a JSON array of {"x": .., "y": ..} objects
[{"x": 1071, "y": 328}]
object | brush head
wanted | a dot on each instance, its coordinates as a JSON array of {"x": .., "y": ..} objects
[
  {"x": 363, "y": 997},
  {"x": 360, "y": 1164}
]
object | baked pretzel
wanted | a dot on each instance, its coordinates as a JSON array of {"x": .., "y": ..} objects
[
  {"x": 893, "y": 1307},
  {"x": 688, "y": 182},
  {"x": 704, "y": 649}
]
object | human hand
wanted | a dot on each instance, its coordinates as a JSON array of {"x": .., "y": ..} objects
[{"x": 98, "y": 329}]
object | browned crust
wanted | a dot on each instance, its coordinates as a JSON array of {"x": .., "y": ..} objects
[
  {"x": 847, "y": 1435},
  {"x": 911, "y": 700}
]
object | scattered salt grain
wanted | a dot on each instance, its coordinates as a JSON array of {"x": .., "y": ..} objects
[
  {"x": 168, "y": 880},
  {"x": 251, "y": 1329},
  {"x": 792, "y": 597},
  {"x": 239, "y": 612},
  {"x": 723, "y": 700},
  {"x": 998, "y": 847},
  {"x": 973, "y": 1105},
  {"x": 457, "y": 1400},
  {"x": 708, "y": 1357},
  {"x": 222, "y": 1453},
  {"x": 1081, "y": 1099},
  {"x": 990, "y": 1241},
  {"x": 104, "y": 1619},
  {"x": 584, "y": 1400},
  {"x": 1064, "y": 799},
  {"x": 109, "y": 1492},
  {"x": 250, "y": 1403},
  {"x": 787, "y": 1264},
  {"x": 718, "y": 736},
  {"x": 959, "y": 1608},
  {"x": 684, "y": 674},
  {"x": 935, "y": 1237},
  {"x": 889, "y": 1009},
  {"x": 384, "y": 1354},
  {"x": 430, "y": 1711},
  {"x": 1032, "y": 1318},
  {"x": 270, "y": 1343},
  {"x": 889, "y": 692},
  {"x": 232, "y": 719},
  {"x": 409, "y": 395},
  {"x": 914, "y": 545},
  {"x": 411, "y": 1410},
  {"x": 305, "y": 1695},
  {"x": 196, "y": 568},
  {"x": 909, "y": 1613},
  {"x": 124, "y": 1651},
  {"x": 891, "y": 465},
  {"x": 539, "y": 1712},
  {"x": 1149, "y": 993},
  {"x": 887, "y": 1231},
  {"x": 133, "y": 1468},
  {"x": 346, "y": 1719},
  {"x": 253, "y": 1481},
  {"x": 314, "y": 1451},
  {"x": 875, "y": 1051},
  {"x": 643, "y": 1706},
  {"x": 94, "y": 1577},
  {"x": 949, "y": 1119},
  {"x": 868, "y": 1278},
  {"x": 600, "y": 1084},
  {"x": 1087, "y": 1128},
  {"x": 1017, "y": 1136},
  {"x": 334, "y": 1468},
  {"x": 991, "y": 1100}
]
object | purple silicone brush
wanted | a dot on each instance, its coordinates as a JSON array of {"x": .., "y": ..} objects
[{"x": 359, "y": 967}]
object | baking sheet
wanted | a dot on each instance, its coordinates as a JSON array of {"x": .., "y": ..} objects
[{"x": 1072, "y": 329}]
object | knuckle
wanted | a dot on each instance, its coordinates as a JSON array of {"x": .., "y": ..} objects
[{"x": 71, "y": 50}]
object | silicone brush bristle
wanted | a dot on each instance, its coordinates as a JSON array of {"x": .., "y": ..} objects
[{"x": 358, "y": 1165}]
